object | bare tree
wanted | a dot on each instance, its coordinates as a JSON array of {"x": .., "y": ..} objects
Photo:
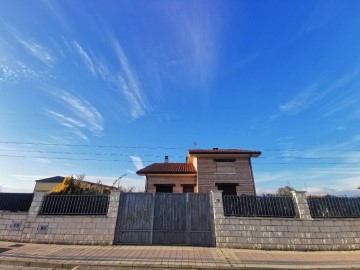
[{"x": 117, "y": 182}]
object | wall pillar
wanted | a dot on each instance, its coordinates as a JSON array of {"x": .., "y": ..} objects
[
  {"x": 113, "y": 204},
  {"x": 301, "y": 205},
  {"x": 217, "y": 203},
  {"x": 218, "y": 212},
  {"x": 112, "y": 214},
  {"x": 36, "y": 203}
]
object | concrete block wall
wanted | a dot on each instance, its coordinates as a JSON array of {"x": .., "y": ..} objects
[
  {"x": 64, "y": 229},
  {"x": 7, "y": 230},
  {"x": 301, "y": 233},
  {"x": 208, "y": 176},
  {"x": 61, "y": 229}
]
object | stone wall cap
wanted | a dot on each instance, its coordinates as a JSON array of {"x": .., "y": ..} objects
[{"x": 298, "y": 191}]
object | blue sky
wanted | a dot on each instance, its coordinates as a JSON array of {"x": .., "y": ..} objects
[{"x": 106, "y": 87}]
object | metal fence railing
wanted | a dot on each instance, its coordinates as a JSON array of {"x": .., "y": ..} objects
[
  {"x": 334, "y": 207},
  {"x": 259, "y": 206},
  {"x": 75, "y": 205},
  {"x": 16, "y": 202}
]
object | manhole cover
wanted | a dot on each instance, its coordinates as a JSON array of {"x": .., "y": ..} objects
[
  {"x": 16, "y": 245},
  {"x": 4, "y": 249}
]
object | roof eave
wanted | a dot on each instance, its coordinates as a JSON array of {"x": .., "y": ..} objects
[
  {"x": 147, "y": 173},
  {"x": 243, "y": 154}
]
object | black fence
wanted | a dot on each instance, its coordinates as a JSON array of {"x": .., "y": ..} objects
[
  {"x": 75, "y": 205},
  {"x": 16, "y": 202},
  {"x": 334, "y": 207},
  {"x": 259, "y": 206}
]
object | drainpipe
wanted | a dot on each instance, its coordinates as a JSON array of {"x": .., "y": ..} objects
[{"x": 146, "y": 183}]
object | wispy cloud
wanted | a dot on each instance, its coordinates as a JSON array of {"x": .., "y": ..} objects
[
  {"x": 321, "y": 15},
  {"x": 329, "y": 168},
  {"x": 137, "y": 161},
  {"x": 65, "y": 120},
  {"x": 197, "y": 27},
  {"x": 39, "y": 51},
  {"x": 129, "y": 84},
  {"x": 57, "y": 12},
  {"x": 123, "y": 77},
  {"x": 86, "y": 113},
  {"x": 84, "y": 117},
  {"x": 88, "y": 63},
  {"x": 70, "y": 122},
  {"x": 303, "y": 100},
  {"x": 317, "y": 91}
]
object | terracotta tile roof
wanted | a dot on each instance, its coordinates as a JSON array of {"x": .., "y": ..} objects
[
  {"x": 175, "y": 168},
  {"x": 223, "y": 151}
]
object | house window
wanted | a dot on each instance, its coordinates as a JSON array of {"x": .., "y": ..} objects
[
  {"x": 227, "y": 188},
  {"x": 225, "y": 166},
  {"x": 188, "y": 188},
  {"x": 164, "y": 188}
]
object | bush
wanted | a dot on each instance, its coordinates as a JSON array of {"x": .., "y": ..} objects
[{"x": 71, "y": 186}]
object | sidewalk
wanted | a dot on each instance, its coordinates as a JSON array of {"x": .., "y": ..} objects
[{"x": 67, "y": 257}]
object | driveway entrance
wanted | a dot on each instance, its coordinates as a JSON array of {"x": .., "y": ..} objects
[{"x": 165, "y": 219}]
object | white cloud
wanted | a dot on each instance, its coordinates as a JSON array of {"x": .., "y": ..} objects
[
  {"x": 123, "y": 78},
  {"x": 128, "y": 83},
  {"x": 197, "y": 29},
  {"x": 318, "y": 90},
  {"x": 303, "y": 100},
  {"x": 11, "y": 71},
  {"x": 81, "y": 116},
  {"x": 89, "y": 64},
  {"x": 88, "y": 116},
  {"x": 281, "y": 177},
  {"x": 65, "y": 120},
  {"x": 137, "y": 161},
  {"x": 37, "y": 50}
]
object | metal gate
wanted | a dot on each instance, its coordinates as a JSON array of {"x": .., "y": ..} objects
[{"x": 165, "y": 219}]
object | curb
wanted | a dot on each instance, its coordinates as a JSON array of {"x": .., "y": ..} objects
[{"x": 84, "y": 266}]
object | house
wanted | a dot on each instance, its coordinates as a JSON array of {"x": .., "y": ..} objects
[
  {"x": 47, "y": 184},
  {"x": 228, "y": 170}
]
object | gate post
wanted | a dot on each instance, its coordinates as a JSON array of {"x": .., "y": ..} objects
[
  {"x": 113, "y": 210},
  {"x": 218, "y": 212}
]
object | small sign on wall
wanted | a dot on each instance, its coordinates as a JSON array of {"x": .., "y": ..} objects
[
  {"x": 15, "y": 226},
  {"x": 42, "y": 228}
]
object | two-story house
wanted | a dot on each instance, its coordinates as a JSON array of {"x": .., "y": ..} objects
[{"x": 228, "y": 170}]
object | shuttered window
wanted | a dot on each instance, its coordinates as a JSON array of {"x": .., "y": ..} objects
[{"x": 226, "y": 166}]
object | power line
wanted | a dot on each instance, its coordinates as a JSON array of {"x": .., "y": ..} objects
[
  {"x": 95, "y": 145},
  {"x": 161, "y": 147},
  {"x": 151, "y": 155},
  {"x": 130, "y": 161},
  {"x": 82, "y": 153},
  {"x": 69, "y": 158}
]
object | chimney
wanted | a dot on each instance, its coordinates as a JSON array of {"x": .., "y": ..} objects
[
  {"x": 186, "y": 161},
  {"x": 166, "y": 159}
]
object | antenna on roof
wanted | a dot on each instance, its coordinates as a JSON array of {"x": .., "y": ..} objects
[{"x": 195, "y": 144}]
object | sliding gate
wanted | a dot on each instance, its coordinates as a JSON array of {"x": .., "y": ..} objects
[{"x": 165, "y": 219}]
